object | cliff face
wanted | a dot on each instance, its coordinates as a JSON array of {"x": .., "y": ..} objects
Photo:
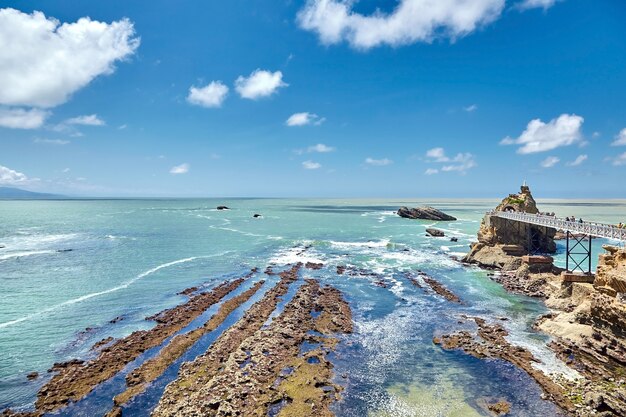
[
  {"x": 500, "y": 241},
  {"x": 611, "y": 272}
]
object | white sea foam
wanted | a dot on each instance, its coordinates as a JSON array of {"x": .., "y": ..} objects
[
  {"x": 296, "y": 254},
  {"x": 367, "y": 245},
  {"x": 107, "y": 291},
  {"x": 22, "y": 254}
]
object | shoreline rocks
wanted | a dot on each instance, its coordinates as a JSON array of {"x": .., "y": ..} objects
[
  {"x": 75, "y": 379},
  {"x": 424, "y": 213},
  {"x": 587, "y": 321}
]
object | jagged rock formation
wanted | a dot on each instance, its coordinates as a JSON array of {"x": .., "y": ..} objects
[
  {"x": 589, "y": 322},
  {"x": 501, "y": 241},
  {"x": 611, "y": 271},
  {"x": 424, "y": 213}
]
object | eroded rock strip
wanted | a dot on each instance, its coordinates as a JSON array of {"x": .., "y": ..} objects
[
  {"x": 494, "y": 345},
  {"x": 75, "y": 379},
  {"x": 441, "y": 290},
  {"x": 153, "y": 368},
  {"x": 265, "y": 369},
  {"x": 194, "y": 375}
]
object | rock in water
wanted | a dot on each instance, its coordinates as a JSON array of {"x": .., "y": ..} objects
[
  {"x": 499, "y": 240},
  {"x": 435, "y": 232},
  {"x": 424, "y": 213},
  {"x": 222, "y": 208},
  {"x": 256, "y": 216}
]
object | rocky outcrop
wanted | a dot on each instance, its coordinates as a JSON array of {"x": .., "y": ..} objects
[
  {"x": 500, "y": 240},
  {"x": 611, "y": 271},
  {"x": 435, "y": 232},
  {"x": 424, "y": 213}
]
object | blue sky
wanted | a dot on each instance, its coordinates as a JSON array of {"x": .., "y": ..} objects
[{"x": 385, "y": 98}]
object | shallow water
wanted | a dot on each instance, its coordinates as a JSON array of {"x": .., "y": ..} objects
[{"x": 129, "y": 258}]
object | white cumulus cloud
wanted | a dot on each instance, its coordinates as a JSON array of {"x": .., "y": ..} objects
[
  {"x": 541, "y": 137},
  {"x": 378, "y": 162},
  {"x": 437, "y": 155},
  {"x": 431, "y": 171},
  {"x": 471, "y": 108},
  {"x": 88, "y": 120},
  {"x": 620, "y": 139},
  {"x": 9, "y": 176},
  {"x": 259, "y": 84},
  {"x": 16, "y": 118},
  {"x": 550, "y": 161},
  {"x": 211, "y": 95},
  {"x": 304, "y": 118},
  {"x": 45, "y": 61},
  {"x": 311, "y": 165},
  {"x": 180, "y": 169},
  {"x": 411, "y": 21},
  {"x": 578, "y": 161}
]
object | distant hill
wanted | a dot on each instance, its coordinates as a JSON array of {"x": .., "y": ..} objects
[{"x": 16, "y": 193}]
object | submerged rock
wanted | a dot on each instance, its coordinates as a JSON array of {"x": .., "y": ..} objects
[{"x": 424, "y": 213}]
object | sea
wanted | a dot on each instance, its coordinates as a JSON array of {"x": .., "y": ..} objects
[{"x": 73, "y": 272}]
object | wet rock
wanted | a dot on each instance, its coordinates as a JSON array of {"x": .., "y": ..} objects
[
  {"x": 341, "y": 269},
  {"x": 101, "y": 343},
  {"x": 75, "y": 379},
  {"x": 440, "y": 289},
  {"x": 454, "y": 239},
  {"x": 256, "y": 216},
  {"x": 435, "y": 232},
  {"x": 314, "y": 265},
  {"x": 32, "y": 376},
  {"x": 424, "y": 213},
  {"x": 500, "y": 408},
  {"x": 223, "y": 208},
  {"x": 491, "y": 342},
  {"x": 117, "y": 319}
]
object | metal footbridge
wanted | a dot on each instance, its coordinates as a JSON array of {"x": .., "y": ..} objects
[
  {"x": 607, "y": 231},
  {"x": 578, "y": 235}
]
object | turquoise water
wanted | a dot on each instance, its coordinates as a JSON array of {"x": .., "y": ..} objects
[{"x": 72, "y": 265}]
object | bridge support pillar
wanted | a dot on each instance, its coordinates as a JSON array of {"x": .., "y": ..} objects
[{"x": 577, "y": 254}]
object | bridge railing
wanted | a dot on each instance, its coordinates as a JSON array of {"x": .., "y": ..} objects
[{"x": 604, "y": 230}]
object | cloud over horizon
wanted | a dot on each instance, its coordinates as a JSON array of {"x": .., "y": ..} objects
[
  {"x": 311, "y": 165},
  {"x": 378, "y": 162},
  {"x": 180, "y": 169}
]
